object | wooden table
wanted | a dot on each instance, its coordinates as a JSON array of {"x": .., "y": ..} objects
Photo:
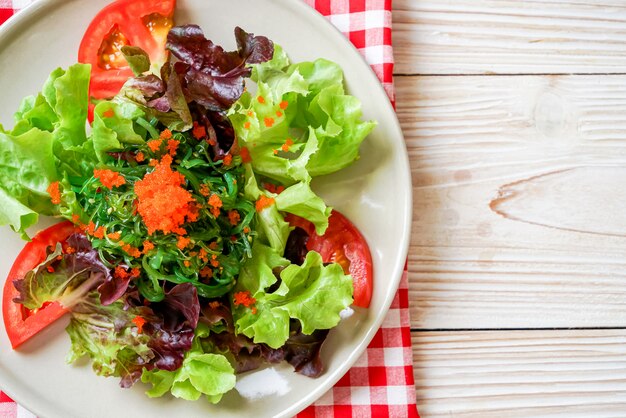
[{"x": 514, "y": 114}]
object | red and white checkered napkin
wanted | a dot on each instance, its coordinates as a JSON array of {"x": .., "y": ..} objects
[{"x": 381, "y": 382}]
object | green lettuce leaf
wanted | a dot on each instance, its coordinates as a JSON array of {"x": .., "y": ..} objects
[
  {"x": 300, "y": 200},
  {"x": 113, "y": 127},
  {"x": 47, "y": 143},
  {"x": 27, "y": 168},
  {"x": 298, "y": 125},
  {"x": 138, "y": 59},
  {"x": 312, "y": 293},
  {"x": 202, "y": 373}
]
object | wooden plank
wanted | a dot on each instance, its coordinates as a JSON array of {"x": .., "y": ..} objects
[
  {"x": 509, "y": 36},
  {"x": 520, "y": 374},
  {"x": 519, "y": 192}
]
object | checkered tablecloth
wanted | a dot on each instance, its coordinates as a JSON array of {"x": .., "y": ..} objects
[{"x": 381, "y": 382}]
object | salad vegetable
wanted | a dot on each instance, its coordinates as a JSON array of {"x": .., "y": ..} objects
[{"x": 194, "y": 247}]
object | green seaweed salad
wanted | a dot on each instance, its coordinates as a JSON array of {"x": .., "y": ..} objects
[{"x": 179, "y": 267}]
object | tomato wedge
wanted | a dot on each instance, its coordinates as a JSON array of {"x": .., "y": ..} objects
[
  {"x": 142, "y": 23},
  {"x": 21, "y": 323},
  {"x": 342, "y": 243}
]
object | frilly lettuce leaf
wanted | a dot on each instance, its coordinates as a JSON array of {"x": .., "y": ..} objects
[
  {"x": 113, "y": 127},
  {"x": 201, "y": 373},
  {"x": 299, "y": 124},
  {"x": 47, "y": 143},
  {"x": 312, "y": 293},
  {"x": 108, "y": 337}
]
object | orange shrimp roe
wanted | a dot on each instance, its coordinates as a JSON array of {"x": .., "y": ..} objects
[
  {"x": 183, "y": 242},
  {"x": 205, "y": 190},
  {"x": 147, "y": 246},
  {"x": 99, "y": 232},
  {"x": 245, "y": 299},
  {"x": 130, "y": 250},
  {"x": 214, "y": 261},
  {"x": 109, "y": 178},
  {"x": 109, "y": 113},
  {"x": 163, "y": 203},
  {"x": 203, "y": 255},
  {"x": 172, "y": 146},
  {"x": 246, "y": 229},
  {"x": 216, "y": 203},
  {"x": 261, "y": 99},
  {"x": 263, "y": 203},
  {"x": 114, "y": 235},
  {"x": 246, "y": 125},
  {"x": 166, "y": 134},
  {"x": 154, "y": 144},
  {"x": 233, "y": 217},
  {"x": 228, "y": 159},
  {"x": 54, "y": 192},
  {"x": 139, "y": 157},
  {"x": 198, "y": 131},
  {"x": 279, "y": 113},
  {"x": 206, "y": 272},
  {"x": 139, "y": 322},
  {"x": 283, "y": 105},
  {"x": 269, "y": 122},
  {"x": 288, "y": 143}
]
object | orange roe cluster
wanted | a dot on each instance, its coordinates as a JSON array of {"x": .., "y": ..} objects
[
  {"x": 130, "y": 250},
  {"x": 263, "y": 203},
  {"x": 109, "y": 178},
  {"x": 233, "y": 217},
  {"x": 163, "y": 202},
  {"x": 215, "y": 202},
  {"x": 198, "y": 131},
  {"x": 245, "y": 299},
  {"x": 54, "y": 192},
  {"x": 288, "y": 143},
  {"x": 122, "y": 273},
  {"x": 139, "y": 322}
]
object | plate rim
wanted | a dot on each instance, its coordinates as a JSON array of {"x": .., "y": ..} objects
[{"x": 18, "y": 20}]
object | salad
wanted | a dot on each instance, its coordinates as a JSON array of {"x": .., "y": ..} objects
[{"x": 193, "y": 247}]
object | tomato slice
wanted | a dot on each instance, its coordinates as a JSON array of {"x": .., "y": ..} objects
[
  {"x": 342, "y": 243},
  {"x": 142, "y": 23},
  {"x": 21, "y": 323}
]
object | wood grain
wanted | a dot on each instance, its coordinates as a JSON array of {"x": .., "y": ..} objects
[
  {"x": 519, "y": 191},
  {"x": 520, "y": 374},
  {"x": 509, "y": 36}
]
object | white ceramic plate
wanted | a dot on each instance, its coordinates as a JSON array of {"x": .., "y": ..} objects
[{"x": 375, "y": 193}]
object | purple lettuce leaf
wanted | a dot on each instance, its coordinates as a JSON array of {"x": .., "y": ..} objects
[
  {"x": 295, "y": 249},
  {"x": 214, "y": 78},
  {"x": 149, "y": 85},
  {"x": 302, "y": 351},
  {"x": 253, "y": 49},
  {"x": 69, "y": 277},
  {"x": 172, "y": 335}
]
